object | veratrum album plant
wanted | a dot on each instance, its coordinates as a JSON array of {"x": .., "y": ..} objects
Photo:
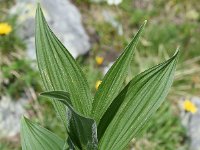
[{"x": 110, "y": 119}]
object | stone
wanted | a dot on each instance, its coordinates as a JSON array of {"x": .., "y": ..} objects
[
  {"x": 10, "y": 115},
  {"x": 110, "y": 2},
  {"x": 64, "y": 19},
  {"x": 106, "y": 68},
  {"x": 192, "y": 123},
  {"x": 114, "y": 2}
]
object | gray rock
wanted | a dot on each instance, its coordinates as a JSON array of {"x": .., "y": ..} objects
[
  {"x": 106, "y": 68},
  {"x": 110, "y": 2},
  {"x": 194, "y": 127},
  {"x": 64, "y": 19},
  {"x": 10, "y": 114},
  {"x": 192, "y": 123}
]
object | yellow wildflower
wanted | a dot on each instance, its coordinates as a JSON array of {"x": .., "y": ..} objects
[
  {"x": 97, "y": 84},
  {"x": 5, "y": 28},
  {"x": 189, "y": 106},
  {"x": 99, "y": 60}
]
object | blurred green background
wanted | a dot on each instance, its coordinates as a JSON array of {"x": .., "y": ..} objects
[{"x": 171, "y": 24}]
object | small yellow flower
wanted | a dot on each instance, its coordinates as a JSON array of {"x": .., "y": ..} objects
[
  {"x": 99, "y": 60},
  {"x": 189, "y": 106},
  {"x": 5, "y": 28},
  {"x": 97, "y": 84}
]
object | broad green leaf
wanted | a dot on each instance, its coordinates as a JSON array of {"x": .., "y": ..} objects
[
  {"x": 35, "y": 137},
  {"x": 59, "y": 70},
  {"x": 135, "y": 105},
  {"x": 81, "y": 130},
  {"x": 113, "y": 80},
  {"x": 113, "y": 108}
]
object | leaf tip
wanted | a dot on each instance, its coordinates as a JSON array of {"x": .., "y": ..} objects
[
  {"x": 24, "y": 119},
  {"x": 38, "y": 4},
  {"x": 39, "y": 10},
  {"x": 177, "y": 50},
  {"x": 42, "y": 94},
  {"x": 176, "y": 54},
  {"x": 145, "y": 22}
]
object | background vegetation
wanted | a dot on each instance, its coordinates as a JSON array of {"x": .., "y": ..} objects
[{"x": 170, "y": 24}]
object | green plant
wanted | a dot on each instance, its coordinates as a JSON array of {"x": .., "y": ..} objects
[
  {"x": 161, "y": 129},
  {"x": 17, "y": 76},
  {"x": 11, "y": 42},
  {"x": 113, "y": 117},
  {"x": 16, "y": 72}
]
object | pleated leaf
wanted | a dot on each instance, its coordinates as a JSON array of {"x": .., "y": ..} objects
[
  {"x": 81, "y": 130},
  {"x": 59, "y": 70},
  {"x": 133, "y": 107},
  {"x": 113, "y": 80},
  {"x": 35, "y": 137}
]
